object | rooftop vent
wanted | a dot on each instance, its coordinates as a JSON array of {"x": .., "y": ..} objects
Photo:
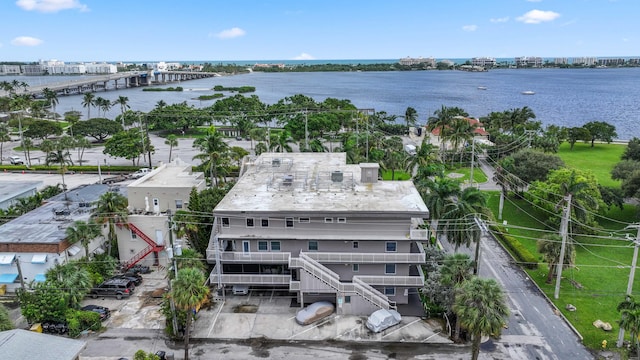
[
  {"x": 275, "y": 163},
  {"x": 287, "y": 180},
  {"x": 336, "y": 176}
]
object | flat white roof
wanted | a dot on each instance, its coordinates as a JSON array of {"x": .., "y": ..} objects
[
  {"x": 175, "y": 174},
  {"x": 298, "y": 182}
]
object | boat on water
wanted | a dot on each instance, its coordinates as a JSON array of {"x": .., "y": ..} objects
[
  {"x": 482, "y": 88},
  {"x": 528, "y": 92}
]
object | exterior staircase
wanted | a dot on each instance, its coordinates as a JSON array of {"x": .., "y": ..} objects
[
  {"x": 151, "y": 247},
  {"x": 330, "y": 278}
]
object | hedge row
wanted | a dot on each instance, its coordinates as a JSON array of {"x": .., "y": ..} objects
[
  {"x": 517, "y": 250},
  {"x": 77, "y": 168}
]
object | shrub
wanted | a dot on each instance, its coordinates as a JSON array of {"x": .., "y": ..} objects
[{"x": 517, "y": 250}]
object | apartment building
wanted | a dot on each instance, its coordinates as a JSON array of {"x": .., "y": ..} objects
[
  {"x": 529, "y": 61},
  {"x": 409, "y": 61},
  {"x": 166, "y": 188},
  {"x": 322, "y": 229},
  {"x": 485, "y": 62}
]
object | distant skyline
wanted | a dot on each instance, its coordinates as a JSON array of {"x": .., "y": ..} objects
[{"x": 215, "y": 30}]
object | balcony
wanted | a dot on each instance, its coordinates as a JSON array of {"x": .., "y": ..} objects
[
  {"x": 392, "y": 280},
  {"x": 251, "y": 279},
  {"x": 368, "y": 258},
  {"x": 250, "y": 257}
]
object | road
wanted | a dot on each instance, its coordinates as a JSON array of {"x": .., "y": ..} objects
[{"x": 534, "y": 330}]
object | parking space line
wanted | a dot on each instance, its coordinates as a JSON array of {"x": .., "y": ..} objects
[
  {"x": 313, "y": 327},
  {"x": 213, "y": 323},
  {"x": 434, "y": 334},
  {"x": 348, "y": 332},
  {"x": 398, "y": 329}
]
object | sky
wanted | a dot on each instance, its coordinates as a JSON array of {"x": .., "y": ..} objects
[{"x": 217, "y": 30}]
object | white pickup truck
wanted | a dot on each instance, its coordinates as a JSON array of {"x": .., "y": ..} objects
[
  {"x": 140, "y": 173},
  {"x": 15, "y": 160},
  {"x": 410, "y": 149}
]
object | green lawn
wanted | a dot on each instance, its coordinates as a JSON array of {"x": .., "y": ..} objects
[
  {"x": 399, "y": 175},
  {"x": 597, "y": 283},
  {"x": 600, "y": 159},
  {"x": 478, "y": 175}
]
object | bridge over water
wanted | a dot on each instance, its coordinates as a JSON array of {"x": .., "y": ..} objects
[{"x": 116, "y": 81}]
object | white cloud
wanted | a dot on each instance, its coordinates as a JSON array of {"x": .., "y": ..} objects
[
  {"x": 470, "y": 27},
  {"x": 229, "y": 33},
  {"x": 499, "y": 20},
  {"x": 26, "y": 41},
  {"x": 538, "y": 16},
  {"x": 50, "y": 6},
  {"x": 304, "y": 56}
]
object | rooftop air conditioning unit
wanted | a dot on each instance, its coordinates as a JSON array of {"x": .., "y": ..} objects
[
  {"x": 287, "y": 180},
  {"x": 275, "y": 163},
  {"x": 336, "y": 176}
]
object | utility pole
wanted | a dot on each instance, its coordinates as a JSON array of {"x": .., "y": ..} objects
[
  {"x": 632, "y": 274},
  {"x": 306, "y": 131},
  {"x": 473, "y": 153},
  {"x": 172, "y": 255},
  {"x": 564, "y": 229}
]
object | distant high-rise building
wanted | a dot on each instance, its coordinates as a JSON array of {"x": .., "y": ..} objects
[
  {"x": 485, "y": 62},
  {"x": 529, "y": 61}
]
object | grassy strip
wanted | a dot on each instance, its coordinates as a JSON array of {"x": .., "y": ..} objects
[
  {"x": 399, "y": 175},
  {"x": 478, "y": 175},
  {"x": 600, "y": 159}
]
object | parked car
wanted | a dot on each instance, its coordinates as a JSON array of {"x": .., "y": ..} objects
[
  {"x": 55, "y": 327},
  {"x": 131, "y": 276},
  {"x": 140, "y": 269},
  {"x": 314, "y": 312},
  {"x": 140, "y": 173},
  {"x": 15, "y": 160},
  {"x": 119, "y": 288},
  {"x": 383, "y": 319},
  {"x": 104, "y": 312}
]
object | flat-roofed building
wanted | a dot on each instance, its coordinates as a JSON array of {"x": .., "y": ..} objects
[
  {"x": 36, "y": 241},
  {"x": 23, "y": 344},
  {"x": 322, "y": 229},
  {"x": 166, "y": 188},
  {"x": 11, "y": 191}
]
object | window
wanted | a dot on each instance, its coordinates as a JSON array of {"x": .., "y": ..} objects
[
  {"x": 341, "y": 220},
  {"x": 264, "y": 222},
  {"x": 390, "y": 291},
  {"x": 275, "y": 246},
  {"x": 392, "y": 246},
  {"x": 356, "y": 267},
  {"x": 313, "y": 246},
  {"x": 178, "y": 204},
  {"x": 134, "y": 236},
  {"x": 389, "y": 268},
  {"x": 328, "y": 220},
  {"x": 305, "y": 220},
  {"x": 250, "y": 222},
  {"x": 347, "y": 299},
  {"x": 355, "y": 244},
  {"x": 288, "y": 222},
  {"x": 262, "y": 246},
  {"x": 225, "y": 222}
]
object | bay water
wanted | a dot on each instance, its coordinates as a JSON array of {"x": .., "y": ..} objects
[{"x": 565, "y": 97}]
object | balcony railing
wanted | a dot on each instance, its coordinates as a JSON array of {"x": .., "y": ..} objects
[
  {"x": 249, "y": 257},
  {"x": 393, "y": 280},
  {"x": 368, "y": 258},
  {"x": 252, "y": 279}
]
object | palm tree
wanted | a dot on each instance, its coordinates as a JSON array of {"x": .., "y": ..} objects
[
  {"x": 52, "y": 99},
  {"x": 27, "y": 143},
  {"x": 72, "y": 279},
  {"x": 88, "y": 101},
  {"x": 456, "y": 269},
  {"x": 103, "y": 104},
  {"x": 630, "y": 321},
  {"x": 172, "y": 141},
  {"x": 123, "y": 102},
  {"x": 111, "y": 208},
  {"x": 442, "y": 120},
  {"x": 481, "y": 308},
  {"x": 441, "y": 192},
  {"x": 188, "y": 291},
  {"x": 83, "y": 232},
  {"x": 160, "y": 104},
  {"x": 279, "y": 141},
  {"x": 630, "y": 305},
  {"x": 214, "y": 153},
  {"x": 460, "y": 133},
  {"x": 410, "y": 117},
  {"x": 4, "y": 137},
  {"x": 60, "y": 156},
  {"x": 549, "y": 248}
]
